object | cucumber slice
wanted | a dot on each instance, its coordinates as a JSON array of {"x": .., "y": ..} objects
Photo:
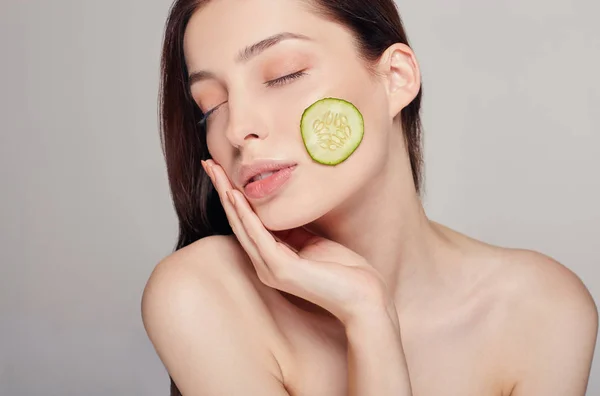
[{"x": 332, "y": 129}]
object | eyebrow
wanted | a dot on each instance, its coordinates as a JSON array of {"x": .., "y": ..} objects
[{"x": 250, "y": 52}]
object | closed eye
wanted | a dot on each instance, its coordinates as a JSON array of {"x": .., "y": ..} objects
[
  {"x": 273, "y": 83},
  {"x": 208, "y": 113},
  {"x": 284, "y": 79}
]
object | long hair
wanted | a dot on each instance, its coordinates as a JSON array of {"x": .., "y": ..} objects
[{"x": 375, "y": 25}]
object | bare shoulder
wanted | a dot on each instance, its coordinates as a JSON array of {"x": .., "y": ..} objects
[
  {"x": 538, "y": 284},
  {"x": 550, "y": 323},
  {"x": 200, "y": 308},
  {"x": 217, "y": 263},
  {"x": 206, "y": 258},
  {"x": 526, "y": 280}
]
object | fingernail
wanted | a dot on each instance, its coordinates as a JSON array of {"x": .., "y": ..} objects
[
  {"x": 211, "y": 173},
  {"x": 231, "y": 197}
]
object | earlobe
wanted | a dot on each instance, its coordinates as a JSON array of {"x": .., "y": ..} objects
[{"x": 403, "y": 77}]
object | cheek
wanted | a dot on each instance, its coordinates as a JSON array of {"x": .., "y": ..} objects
[
  {"x": 285, "y": 136},
  {"x": 368, "y": 160},
  {"x": 319, "y": 189},
  {"x": 219, "y": 149},
  {"x": 286, "y": 120},
  {"x": 212, "y": 145}
]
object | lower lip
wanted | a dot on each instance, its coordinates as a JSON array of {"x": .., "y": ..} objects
[{"x": 269, "y": 186}]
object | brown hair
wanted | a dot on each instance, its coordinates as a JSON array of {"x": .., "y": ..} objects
[{"x": 375, "y": 25}]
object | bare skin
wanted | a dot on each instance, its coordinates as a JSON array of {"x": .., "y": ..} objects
[
  {"x": 492, "y": 333},
  {"x": 475, "y": 319}
]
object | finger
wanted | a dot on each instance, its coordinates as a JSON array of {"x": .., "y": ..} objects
[
  {"x": 234, "y": 222},
  {"x": 222, "y": 185},
  {"x": 275, "y": 254}
]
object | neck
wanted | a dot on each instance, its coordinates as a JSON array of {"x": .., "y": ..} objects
[{"x": 387, "y": 225}]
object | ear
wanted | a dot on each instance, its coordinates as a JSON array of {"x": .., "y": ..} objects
[{"x": 402, "y": 77}]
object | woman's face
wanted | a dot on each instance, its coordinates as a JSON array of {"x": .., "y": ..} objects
[{"x": 259, "y": 117}]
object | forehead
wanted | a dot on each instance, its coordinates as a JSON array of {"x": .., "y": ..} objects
[{"x": 218, "y": 31}]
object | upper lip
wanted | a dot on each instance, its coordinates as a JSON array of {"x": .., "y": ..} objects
[{"x": 255, "y": 168}]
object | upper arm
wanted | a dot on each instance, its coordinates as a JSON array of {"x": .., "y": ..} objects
[
  {"x": 194, "y": 328},
  {"x": 556, "y": 333}
]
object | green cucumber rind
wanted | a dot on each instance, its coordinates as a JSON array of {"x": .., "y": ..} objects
[{"x": 349, "y": 153}]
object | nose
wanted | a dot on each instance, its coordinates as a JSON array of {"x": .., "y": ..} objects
[{"x": 244, "y": 123}]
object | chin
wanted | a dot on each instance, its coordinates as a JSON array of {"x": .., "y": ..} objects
[{"x": 285, "y": 214}]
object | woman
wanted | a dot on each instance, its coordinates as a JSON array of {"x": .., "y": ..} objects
[{"x": 330, "y": 279}]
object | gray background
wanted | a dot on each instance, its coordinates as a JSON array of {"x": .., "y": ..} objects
[{"x": 512, "y": 152}]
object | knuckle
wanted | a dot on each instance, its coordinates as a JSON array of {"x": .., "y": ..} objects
[
  {"x": 265, "y": 278},
  {"x": 254, "y": 240},
  {"x": 281, "y": 273},
  {"x": 371, "y": 286}
]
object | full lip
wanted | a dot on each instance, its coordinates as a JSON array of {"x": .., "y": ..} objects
[{"x": 255, "y": 168}]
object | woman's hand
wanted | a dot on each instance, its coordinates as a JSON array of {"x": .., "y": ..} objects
[{"x": 301, "y": 263}]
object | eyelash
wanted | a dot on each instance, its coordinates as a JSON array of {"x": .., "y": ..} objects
[
  {"x": 273, "y": 83},
  {"x": 208, "y": 113},
  {"x": 284, "y": 79}
]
